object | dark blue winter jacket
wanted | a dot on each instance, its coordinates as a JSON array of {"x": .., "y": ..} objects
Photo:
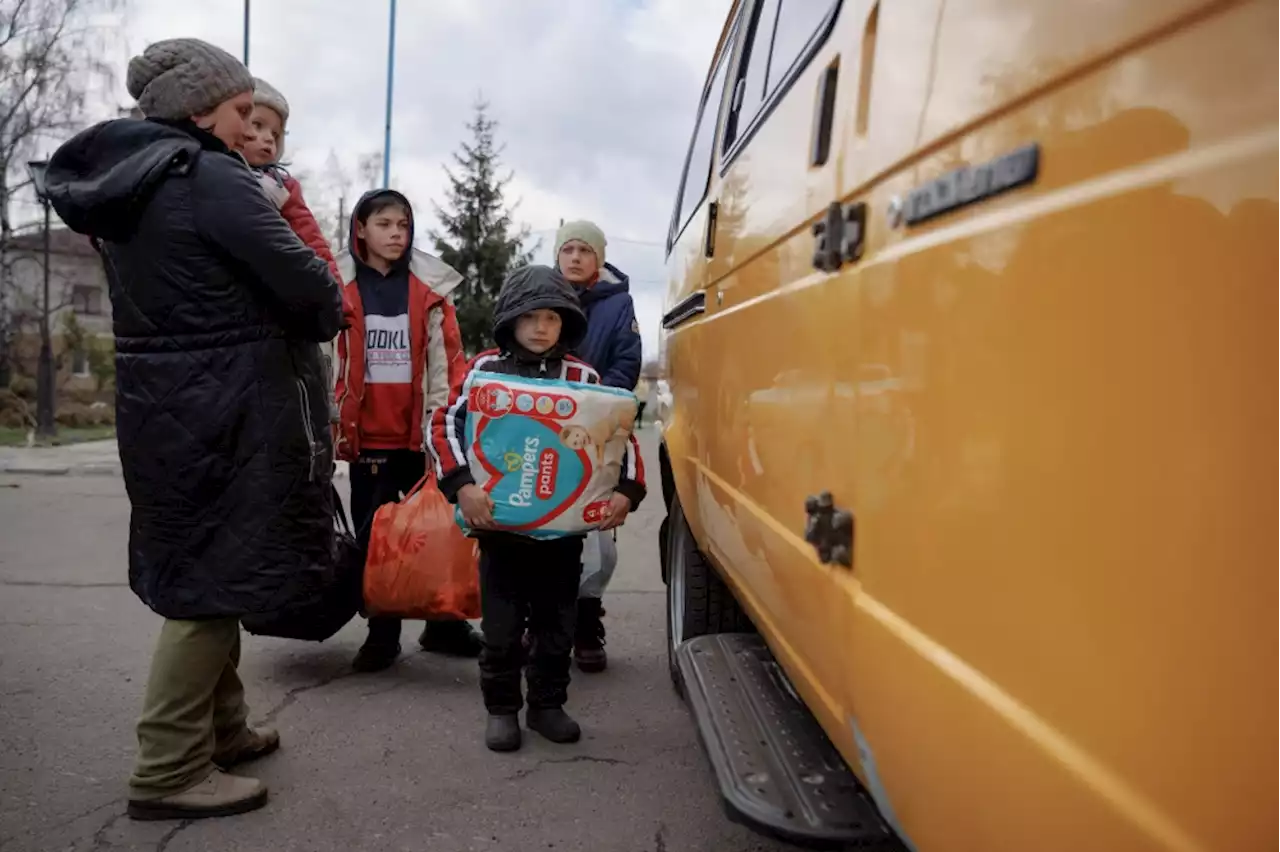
[{"x": 612, "y": 344}]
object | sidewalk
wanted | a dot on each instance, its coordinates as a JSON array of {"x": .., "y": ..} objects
[
  {"x": 91, "y": 458},
  {"x": 88, "y": 458}
]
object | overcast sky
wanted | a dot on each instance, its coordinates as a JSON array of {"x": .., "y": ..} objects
[{"x": 595, "y": 98}]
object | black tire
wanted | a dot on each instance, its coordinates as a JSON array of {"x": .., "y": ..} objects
[{"x": 698, "y": 601}]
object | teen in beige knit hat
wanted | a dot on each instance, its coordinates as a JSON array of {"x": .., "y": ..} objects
[
  {"x": 579, "y": 252},
  {"x": 613, "y": 347}
]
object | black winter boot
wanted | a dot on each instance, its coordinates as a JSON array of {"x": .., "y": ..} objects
[
  {"x": 381, "y": 648},
  {"x": 554, "y": 724},
  {"x": 455, "y": 638},
  {"x": 588, "y": 637},
  {"x": 502, "y": 732},
  {"x": 374, "y": 658}
]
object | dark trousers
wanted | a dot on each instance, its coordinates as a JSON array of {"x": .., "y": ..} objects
[
  {"x": 526, "y": 583},
  {"x": 379, "y": 477}
]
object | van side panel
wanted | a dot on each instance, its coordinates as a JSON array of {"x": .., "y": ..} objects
[
  {"x": 986, "y": 54},
  {"x": 769, "y": 375},
  {"x": 683, "y": 352},
  {"x": 1065, "y": 569}
]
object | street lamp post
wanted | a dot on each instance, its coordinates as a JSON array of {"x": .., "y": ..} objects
[
  {"x": 391, "y": 77},
  {"x": 45, "y": 427}
]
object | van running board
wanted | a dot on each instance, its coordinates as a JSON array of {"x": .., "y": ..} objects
[{"x": 778, "y": 772}]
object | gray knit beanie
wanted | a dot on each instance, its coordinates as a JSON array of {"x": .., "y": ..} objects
[
  {"x": 267, "y": 95},
  {"x": 181, "y": 77},
  {"x": 584, "y": 231}
]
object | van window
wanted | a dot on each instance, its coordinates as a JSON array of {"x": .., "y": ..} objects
[
  {"x": 784, "y": 34},
  {"x": 697, "y": 169},
  {"x": 753, "y": 68},
  {"x": 798, "y": 23}
]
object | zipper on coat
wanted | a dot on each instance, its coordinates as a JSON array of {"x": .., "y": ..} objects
[{"x": 313, "y": 448}]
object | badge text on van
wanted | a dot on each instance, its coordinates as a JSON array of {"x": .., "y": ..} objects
[{"x": 971, "y": 184}]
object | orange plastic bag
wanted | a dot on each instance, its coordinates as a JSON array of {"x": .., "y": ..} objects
[{"x": 420, "y": 564}]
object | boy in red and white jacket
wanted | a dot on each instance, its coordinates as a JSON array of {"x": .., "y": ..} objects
[
  {"x": 397, "y": 358},
  {"x": 527, "y": 583}
]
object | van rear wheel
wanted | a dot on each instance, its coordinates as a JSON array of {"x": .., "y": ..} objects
[{"x": 698, "y": 601}]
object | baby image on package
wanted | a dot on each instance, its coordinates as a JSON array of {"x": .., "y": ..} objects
[{"x": 549, "y": 453}]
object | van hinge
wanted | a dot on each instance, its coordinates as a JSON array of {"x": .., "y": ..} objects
[{"x": 829, "y": 529}]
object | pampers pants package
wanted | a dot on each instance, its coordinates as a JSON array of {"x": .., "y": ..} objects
[{"x": 549, "y": 453}]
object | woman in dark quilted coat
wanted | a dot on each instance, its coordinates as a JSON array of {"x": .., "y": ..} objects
[{"x": 221, "y": 404}]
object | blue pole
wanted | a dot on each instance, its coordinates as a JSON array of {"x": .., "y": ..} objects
[{"x": 391, "y": 75}]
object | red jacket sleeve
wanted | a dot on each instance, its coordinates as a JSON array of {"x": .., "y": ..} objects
[
  {"x": 348, "y": 387},
  {"x": 631, "y": 482},
  {"x": 304, "y": 224},
  {"x": 445, "y": 367},
  {"x": 448, "y": 443},
  {"x": 459, "y": 367}
]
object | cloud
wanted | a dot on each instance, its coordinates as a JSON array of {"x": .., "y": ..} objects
[{"x": 595, "y": 98}]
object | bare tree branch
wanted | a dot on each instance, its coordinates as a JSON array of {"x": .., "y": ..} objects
[
  {"x": 50, "y": 58},
  {"x": 14, "y": 17}
]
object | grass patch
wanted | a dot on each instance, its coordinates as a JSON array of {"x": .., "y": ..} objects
[{"x": 11, "y": 436}]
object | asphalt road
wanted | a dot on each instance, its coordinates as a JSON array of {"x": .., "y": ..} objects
[{"x": 390, "y": 761}]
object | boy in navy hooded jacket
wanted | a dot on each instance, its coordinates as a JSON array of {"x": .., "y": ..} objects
[{"x": 612, "y": 346}]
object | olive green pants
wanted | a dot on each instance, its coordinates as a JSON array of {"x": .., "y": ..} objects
[{"x": 193, "y": 709}]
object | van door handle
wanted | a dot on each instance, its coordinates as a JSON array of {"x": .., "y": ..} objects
[
  {"x": 824, "y": 115},
  {"x": 713, "y": 211},
  {"x": 870, "y": 35}
]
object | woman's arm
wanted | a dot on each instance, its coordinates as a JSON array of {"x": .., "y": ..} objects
[
  {"x": 233, "y": 214},
  {"x": 299, "y": 216}
]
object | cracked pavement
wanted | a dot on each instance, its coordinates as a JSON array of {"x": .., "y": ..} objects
[{"x": 389, "y": 761}]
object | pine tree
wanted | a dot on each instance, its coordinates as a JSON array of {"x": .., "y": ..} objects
[{"x": 478, "y": 237}]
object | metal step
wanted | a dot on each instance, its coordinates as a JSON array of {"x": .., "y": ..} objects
[{"x": 778, "y": 772}]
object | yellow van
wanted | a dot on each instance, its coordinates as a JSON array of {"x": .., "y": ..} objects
[{"x": 968, "y": 452}]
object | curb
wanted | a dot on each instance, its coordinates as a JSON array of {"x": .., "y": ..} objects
[
  {"x": 100, "y": 469},
  {"x": 22, "y": 470}
]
